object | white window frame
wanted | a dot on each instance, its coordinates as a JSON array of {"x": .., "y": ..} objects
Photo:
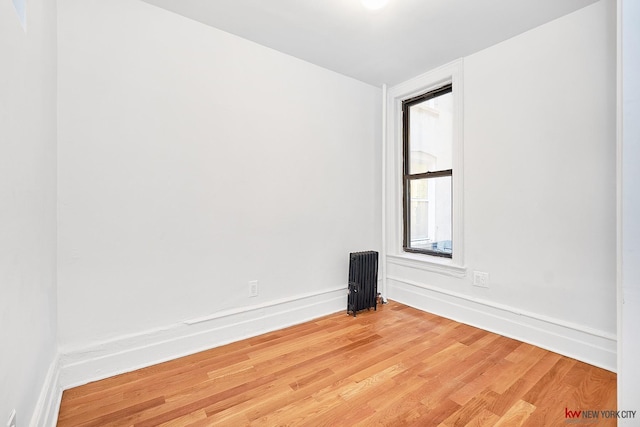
[{"x": 449, "y": 73}]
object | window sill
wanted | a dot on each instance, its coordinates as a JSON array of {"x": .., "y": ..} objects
[{"x": 428, "y": 263}]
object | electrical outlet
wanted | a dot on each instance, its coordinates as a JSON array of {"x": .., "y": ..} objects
[
  {"x": 481, "y": 279},
  {"x": 253, "y": 288},
  {"x": 12, "y": 419}
]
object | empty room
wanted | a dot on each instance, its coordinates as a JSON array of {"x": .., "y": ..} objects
[{"x": 339, "y": 212}]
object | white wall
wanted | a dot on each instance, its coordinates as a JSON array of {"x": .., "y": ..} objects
[
  {"x": 191, "y": 162},
  {"x": 629, "y": 205},
  {"x": 539, "y": 198},
  {"x": 27, "y": 206}
]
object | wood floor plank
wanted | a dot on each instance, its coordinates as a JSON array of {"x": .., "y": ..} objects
[
  {"x": 594, "y": 389},
  {"x": 546, "y": 387},
  {"x": 485, "y": 418},
  {"x": 199, "y": 415},
  {"x": 471, "y": 409},
  {"x": 476, "y": 386},
  {"x": 516, "y": 415},
  {"x": 110, "y": 414},
  {"x": 394, "y": 366},
  {"x": 504, "y": 401},
  {"x": 515, "y": 370},
  {"x": 436, "y": 415}
]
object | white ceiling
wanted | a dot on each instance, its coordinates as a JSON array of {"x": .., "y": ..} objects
[{"x": 391, "y": 45}]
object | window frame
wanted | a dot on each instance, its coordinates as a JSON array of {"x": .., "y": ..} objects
[
  {"x": 393, "y": 171},
  {"x": 407, "y": 177}
]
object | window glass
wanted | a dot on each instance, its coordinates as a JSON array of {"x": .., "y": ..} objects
[
  {"x": 430, "y": 215},
  {"x": 431, "y": 134}
]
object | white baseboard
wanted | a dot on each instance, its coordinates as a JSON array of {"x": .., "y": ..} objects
[
  {"x": 588, "y": 345},
  {"x": 128, "y": 353},
  {"x": 48, "y": 405}
]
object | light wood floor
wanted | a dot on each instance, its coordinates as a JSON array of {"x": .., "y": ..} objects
[{"x": 396, "y": 366}]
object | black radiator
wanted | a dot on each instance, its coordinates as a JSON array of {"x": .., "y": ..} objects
[{"x": 363, "y": 281}]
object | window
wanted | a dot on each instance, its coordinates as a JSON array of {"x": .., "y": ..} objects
[
  {"x": 427, "y": 134},
  {"x": 424, "y": 212}
]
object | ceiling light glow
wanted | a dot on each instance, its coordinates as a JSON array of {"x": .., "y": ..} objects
[{"x": 374, "y": 4}]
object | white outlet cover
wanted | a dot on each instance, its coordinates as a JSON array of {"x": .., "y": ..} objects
[
  {"x": 253, "y": 288},
  {"x": 481, "y": 279}
]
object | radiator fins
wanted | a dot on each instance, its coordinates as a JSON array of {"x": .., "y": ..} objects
[{"x": 363, "y": 281}]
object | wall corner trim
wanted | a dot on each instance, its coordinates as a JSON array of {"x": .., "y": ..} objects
[{"x": 48, "y": 405}]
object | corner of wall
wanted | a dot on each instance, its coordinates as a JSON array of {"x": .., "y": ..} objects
[
  {"x": 591, "y": 346},
  {"x": 48, "y": 404}
]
